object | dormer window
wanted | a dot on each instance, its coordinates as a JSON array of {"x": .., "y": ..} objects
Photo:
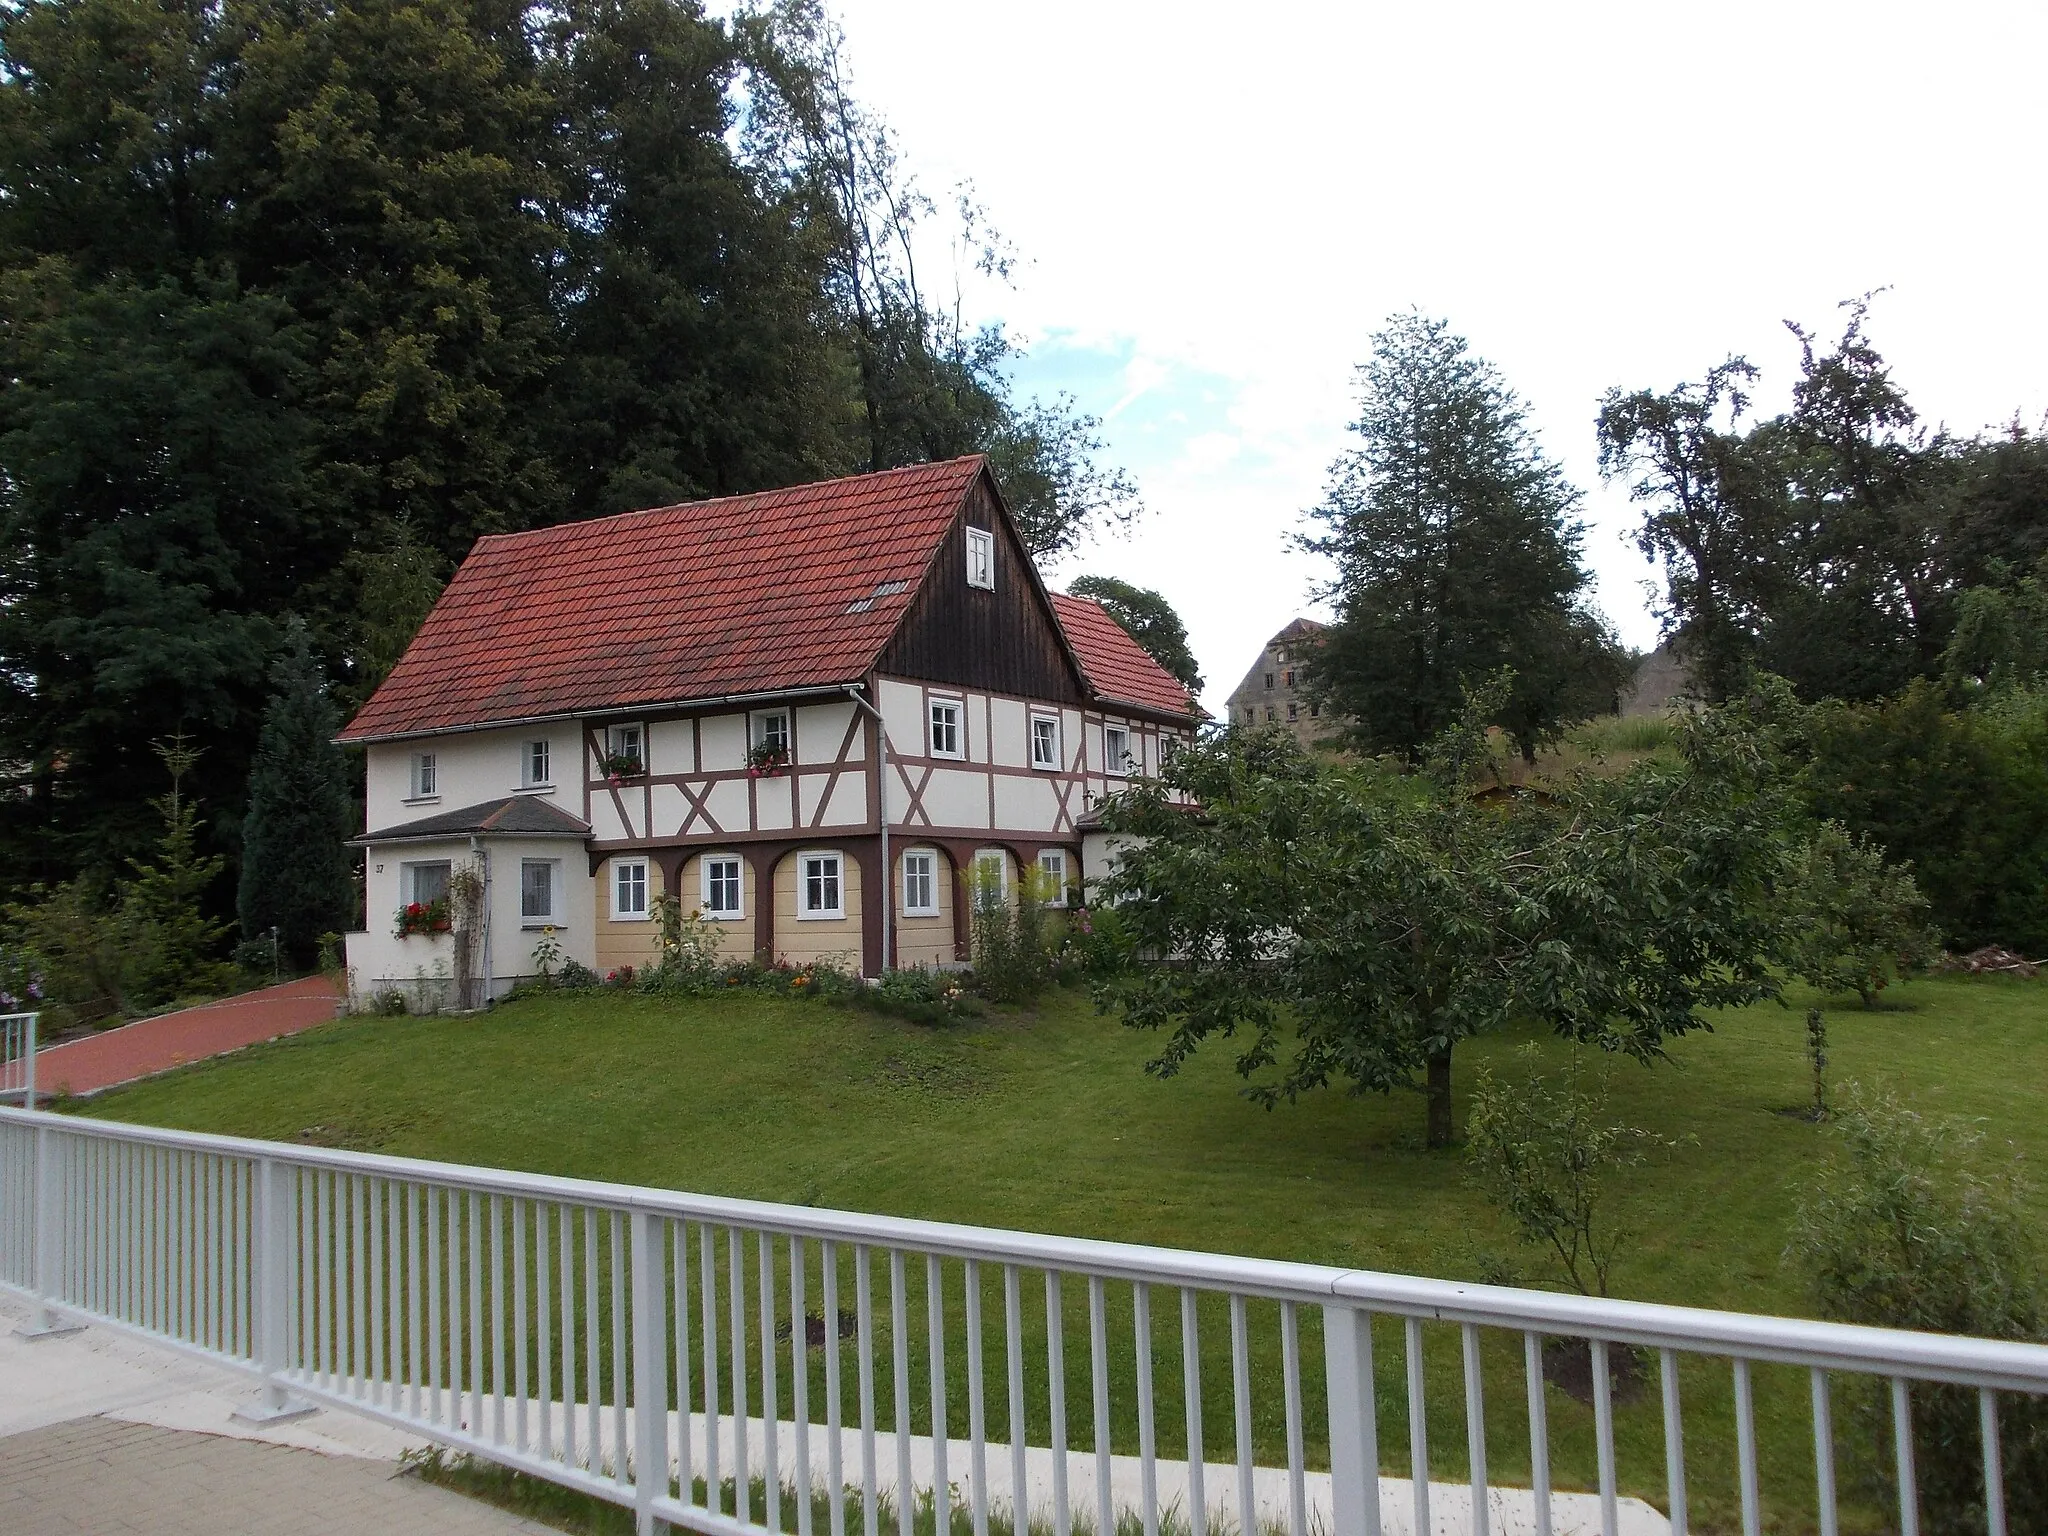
[{"x": 981, "y": 559}]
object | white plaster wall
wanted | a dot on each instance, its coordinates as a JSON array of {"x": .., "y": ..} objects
[
  {"x": 1008, "y": 743},
  {"x": 1025, "y": 805},
  {"x": 902, "y": 706},
  {"x": 727, "y": 804},
  {"x": 773, "y": 804},
  {"x": 820, "y": 728},
  {"x": 957, "y": 798},
  {"x": 670, "y": 748},
  {"x": 723, "y": 741},
  {"x": 470, "y": 768}
]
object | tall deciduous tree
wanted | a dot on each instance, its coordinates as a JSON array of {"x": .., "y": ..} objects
[
  {"x": 295, "y": 875},
  {"x": 1149, "y": 619},
  {"x": 1457, "y": 553},
  {"x": 1382, "y": 917}
]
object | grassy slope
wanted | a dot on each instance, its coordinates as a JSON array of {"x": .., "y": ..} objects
[{"x": 1048, "y": 1123}]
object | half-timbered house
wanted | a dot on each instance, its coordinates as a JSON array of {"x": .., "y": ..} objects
[{"x": 742, "y": 701}]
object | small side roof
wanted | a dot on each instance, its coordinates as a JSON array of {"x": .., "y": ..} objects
[
  {"x": 514, "y": 815},
  {"x": 1118, "y": 670}
]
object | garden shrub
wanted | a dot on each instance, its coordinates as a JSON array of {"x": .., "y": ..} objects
[
  {"x": 1540, "y": 1150},
  {"x": 1917, "y": 1224},
  {"x": 1960, "y": 795},
  {"x": 928, "y": 997},
  {"x": 1012, "y": 948}
]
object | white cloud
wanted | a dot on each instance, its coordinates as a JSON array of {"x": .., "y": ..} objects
[{"x": 1220, "y": 207}]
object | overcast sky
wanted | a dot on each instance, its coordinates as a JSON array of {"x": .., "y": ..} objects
[{"x": 1218, "y": 207}]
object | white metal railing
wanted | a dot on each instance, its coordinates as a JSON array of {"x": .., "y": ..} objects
[
  {"x": 661, "y": 1350},
  {"x": 18, "y": 1057}
]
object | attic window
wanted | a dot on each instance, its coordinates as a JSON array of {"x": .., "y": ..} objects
[
  {"x": 981, "y": 559},
  {"x": 882, "y": 589}
]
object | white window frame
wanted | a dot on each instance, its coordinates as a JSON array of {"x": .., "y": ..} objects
[
  {"x": 620, "y": 869},
  {"x": 1116, "y": 761},
  {"x": 1059, "y": 896},
  {"x": 981, "y": 558},
  {"x": 408, "y": 884},
  {"x": 757, "y": 733},
  {"x": 425, "y": 776},
  {"x": 616, "y": 735},
  {"x": 929, "y": 858},
  {"x": 552, "y": 918},
  {"x": 1052, "y": 760},
  {"x": 805, "y": 912},
  {"x": 539, "y": 751},
  {"x": 1001, "y": 859},
  {"x": 739, "y": 884},
  {"x": 957, "y": 726}
]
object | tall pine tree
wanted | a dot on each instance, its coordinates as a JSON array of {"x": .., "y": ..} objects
[
  {"x": 1457, "y": 554},
  {"x": 295, "y": 874}
]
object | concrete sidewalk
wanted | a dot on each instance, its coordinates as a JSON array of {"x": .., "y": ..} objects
[{"x": 102, "y": 1434}]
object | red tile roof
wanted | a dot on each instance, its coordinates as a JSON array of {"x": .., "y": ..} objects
[
  {"x": 741, "y": 595},
  {"x": 1118, "y": 669}
]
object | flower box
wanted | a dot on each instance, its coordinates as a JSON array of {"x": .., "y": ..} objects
[
  {"x": 767, "y": 761},
  {"x": 621, "y": 766},
  {"x": 428, "y": 917}
]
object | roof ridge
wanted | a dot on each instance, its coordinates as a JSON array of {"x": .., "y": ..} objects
[{"x": 712, "y": 501}]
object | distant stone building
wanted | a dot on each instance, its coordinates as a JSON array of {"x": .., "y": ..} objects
[
  {"x": 1661, "y": 681},
  {"x": 1272, "y": 693}
]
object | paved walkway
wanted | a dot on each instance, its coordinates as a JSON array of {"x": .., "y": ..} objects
[
  {"x": 99, "y": 1433},
  {"x": 94, "y": 1476},
  {"x": 173, "y": 1039}
]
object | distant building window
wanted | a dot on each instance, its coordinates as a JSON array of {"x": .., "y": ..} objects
[
  {"x": 537, "y": 890},
  {"x": 1315, "y": 711},
  {"x": 629, "y": 890},
  {"x": 1053, "y": 863},
  {"x": 920, "y": 883},
  {"x": 1045, "y": 741},
  {"x": 721, "y": 885},
  {"x": 425, "y": 780},
  {"x": 771, "y": 729},
  {"x": 1116, "y": 749},
  {"x": 535, "y": 767},
  {"x": 945, "y": 728},
  {"x": 819, "y": 894},
  {"x": 1290, "y": 677},
  {"x": 1270, "y": 715},
  {"x": 981, "y": 558},
  {"x": 1269, "y": 682},
  {"x": 623, "y": 750},
  {"x": 427, "y": 883},
  {"x": 1293, "y": 711}
]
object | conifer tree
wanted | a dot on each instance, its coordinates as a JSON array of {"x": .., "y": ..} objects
[
  {"x": 1457, "y": 553},
  {"x": 295, "y": 873}
]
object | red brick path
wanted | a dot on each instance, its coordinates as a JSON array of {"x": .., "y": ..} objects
[{"x": 172, "y": 1039}]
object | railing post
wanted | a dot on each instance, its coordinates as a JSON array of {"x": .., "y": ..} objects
[
  {"x": 48, "y": 1239},
  {"x": 650, "y": 1375},
  {"x": 28, "y": 1063},
  {"x": 270, "y": 1280},
  {"x": 1354, "y": 1422}
]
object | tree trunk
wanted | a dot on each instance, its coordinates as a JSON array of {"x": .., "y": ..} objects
[{"x": 1438, "y": 1092}]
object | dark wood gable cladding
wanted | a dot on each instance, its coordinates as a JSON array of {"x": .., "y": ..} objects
[{"x": 1003, "y": 641}]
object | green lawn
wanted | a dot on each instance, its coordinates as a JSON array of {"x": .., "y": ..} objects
[{"x": 1047, "y": 1122}]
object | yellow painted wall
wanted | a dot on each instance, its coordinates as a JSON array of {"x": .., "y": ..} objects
[
  {"x": 735, "y": 934},
  {"x": 801, "y": 940},
  {"x": 629, "y": 943},
  {"x": 926, "y": 940}
]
